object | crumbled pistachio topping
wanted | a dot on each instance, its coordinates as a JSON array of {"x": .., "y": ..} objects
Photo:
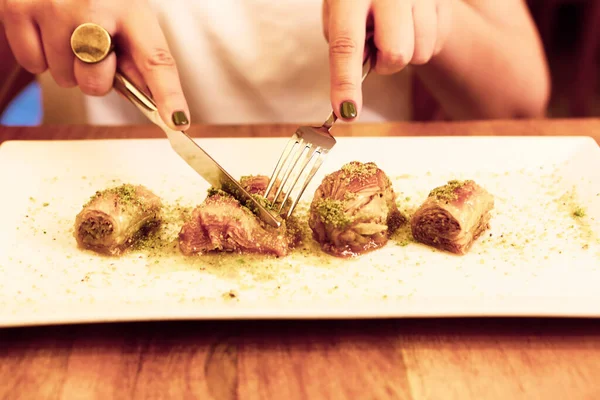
[
  {"x": 173, "y": 217},
  {"x": 230, "y": 188},
  {"x": 212, "y": 191},
  {"x": 244, "y": 180},
  {"x": 448, "y": 192},
  {"x": 126, "y": 194},
  {"x": 260, "y": 200},
  {"x": 349, "y": 196},
  {"x": 332, "y": 212},
  {"x": 357, "y": 169}
]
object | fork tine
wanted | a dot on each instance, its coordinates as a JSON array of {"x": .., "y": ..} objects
[
  {"x": 287, "y": 152},
  {"x": 290, "y": 168},
  {"x": 313, "y": 171},
  {"x": 308, "y": 157}
]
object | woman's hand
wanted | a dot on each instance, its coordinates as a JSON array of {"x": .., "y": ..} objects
[
  {"x": 405, "y": 32},
  {"x": 39, "y": 33}
]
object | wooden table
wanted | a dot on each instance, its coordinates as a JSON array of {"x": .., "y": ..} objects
[{"x": 381, "y": 359}]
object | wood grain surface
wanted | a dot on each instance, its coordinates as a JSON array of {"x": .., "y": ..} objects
[
  {"x": 370, "y": 359},
  {"x": 586, "y": 127}
]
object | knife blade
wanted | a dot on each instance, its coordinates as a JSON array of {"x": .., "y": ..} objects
[{"x": 194, "y": 155}]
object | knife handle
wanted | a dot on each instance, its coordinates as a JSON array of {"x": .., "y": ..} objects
[{"x": 141, "y": 100}]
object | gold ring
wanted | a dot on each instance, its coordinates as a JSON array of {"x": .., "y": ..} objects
[{"x": 91, "y": 43}]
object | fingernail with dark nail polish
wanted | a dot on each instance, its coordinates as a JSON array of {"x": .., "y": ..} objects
[
  {"x": 348, "y": 110},
  {"x": 179, "y": 118}
]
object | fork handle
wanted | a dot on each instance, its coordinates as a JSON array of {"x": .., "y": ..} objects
[{"x": 366, "y": 69}]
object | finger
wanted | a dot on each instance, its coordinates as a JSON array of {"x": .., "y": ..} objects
[
  {"x": 97, "y": 79},
  {"x": 128, "y": 68},
  {"x": 425, "y": 27},
  {"x": 325, "y": 19},
  {"x": 154, "y": 61},
  {"x": 347, "y": 26},
  {"x": 444, "y": 23},
  {"x": 394, "y": 35},
  {"x": 56, "y": 32},
  {"x": 24, "y": 40}
]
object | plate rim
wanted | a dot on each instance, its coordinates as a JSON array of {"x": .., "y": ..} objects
[{"x": 257, "y": 314}]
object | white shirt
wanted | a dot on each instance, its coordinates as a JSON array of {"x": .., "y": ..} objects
[{"x": 241, "y": 61}]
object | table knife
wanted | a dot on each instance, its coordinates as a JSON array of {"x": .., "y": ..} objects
[{"x": 91, "y": 44}]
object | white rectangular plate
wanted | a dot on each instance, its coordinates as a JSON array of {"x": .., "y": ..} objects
[{"x": 538, "y": 259}]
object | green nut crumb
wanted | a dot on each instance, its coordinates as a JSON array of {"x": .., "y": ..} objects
[
  {"x": 212, "y": 191},
  {"x": 126, "y": 194},
  {"x": 260, "y": 200},
  {"x": 448, "y": 192},
  {"x": 359, "y": 169},
  {"x": 332, "y": 212},
  {"x": 350, "y": 196}
]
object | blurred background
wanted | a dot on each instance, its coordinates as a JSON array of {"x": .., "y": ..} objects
[{"x": 570, "y": 31}]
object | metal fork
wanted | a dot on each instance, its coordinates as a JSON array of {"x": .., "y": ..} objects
[{"x": 308, "y": 146}]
